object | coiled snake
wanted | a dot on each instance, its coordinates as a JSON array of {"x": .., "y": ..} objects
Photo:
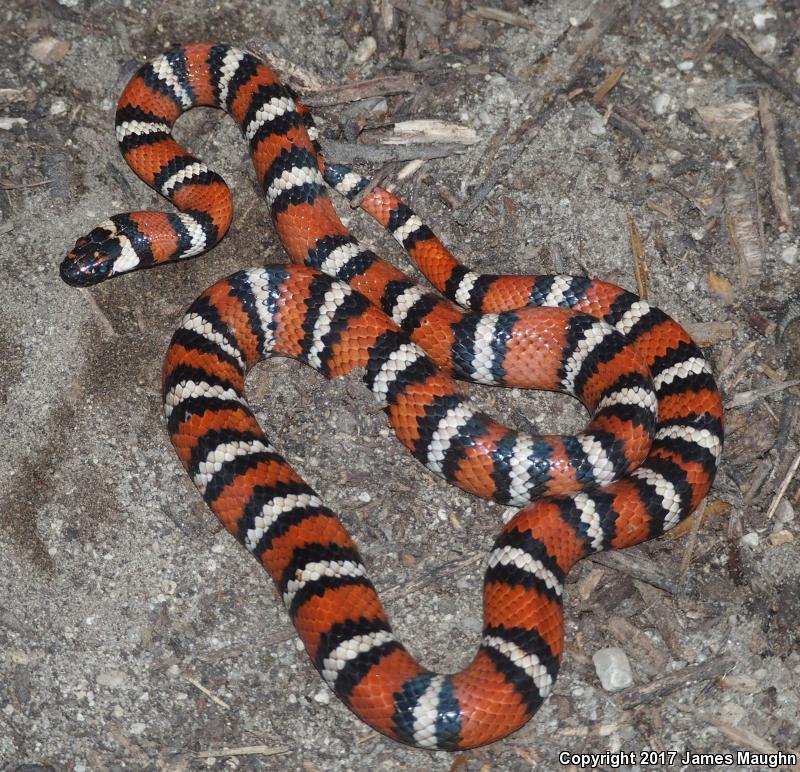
[{"x": 645, "y": 461}]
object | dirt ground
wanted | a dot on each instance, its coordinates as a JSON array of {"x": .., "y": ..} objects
[{"x": 136, "y": 634}]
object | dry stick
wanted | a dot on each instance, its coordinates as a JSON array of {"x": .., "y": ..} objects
[
  {"x": 744, "y": 398},
  {"x": 635, "y": 567},
  {"x": 211, "y": 696},
  {"x": 790, "y": 158},
  {"x": 351, "y": 92},
  {"x": 697, "y": 521},
  {"x": 603, "y": 15},
  {"x": 784, "y": 485},
  {"x": 605, "y": 87},
  {"x": 244, "y": 750},
  {"x": 680, "y": 679},
  {"x": 777, "y": 175},
  {"x": 349, "y": 152},
  {"x": 639, "y": 259},
  {"x": 503, "y": 17},
  {"x": 740, "y": 51}
]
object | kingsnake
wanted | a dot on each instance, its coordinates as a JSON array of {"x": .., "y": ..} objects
[{"x": 643, "y": 464}]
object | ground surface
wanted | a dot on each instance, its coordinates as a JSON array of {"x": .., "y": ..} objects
[{"x": 119, "y": 593}]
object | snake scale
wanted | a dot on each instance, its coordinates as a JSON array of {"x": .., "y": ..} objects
[{"x": 645, "y": 461}]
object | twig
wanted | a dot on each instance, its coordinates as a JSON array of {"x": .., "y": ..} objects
[
  {"x": 605, "y": 87},
  {"x": 744, "y": 223},
  {"x": 691, "y": 543},
  {"x": 349, "y": 153},
  {"x": 244, "y": 750},
  {"x": 709, "y": 333},
  {"x": 639, "y": 257},
  {"x": 405, "y": 83},
  {"x": 790, "y": 158},
  {"x": 740, "y": 735},
  {"x": 777, "y": 177},
  {"x": 639, "y": 569},
  {"x": 504, "y": 17},
  {"x": 740, "y": 51},
  {"x": 680, "y": 679},
  {"x": 213, "y": 697},
  {"x": 9, "y": 185},
  {"x": 783, "y": 486},
  {"x": 603, "y": 15},
  {"x": 744, "y": 398}
]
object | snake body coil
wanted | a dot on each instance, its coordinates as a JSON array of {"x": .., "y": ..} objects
[{"x": 645, "y": 461}]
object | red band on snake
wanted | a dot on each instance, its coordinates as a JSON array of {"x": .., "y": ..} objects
[{"x": 645, "y": 461}]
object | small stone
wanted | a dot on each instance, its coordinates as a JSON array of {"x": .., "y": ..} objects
[
  {"x": 6, "y": 124},
  {"x": 137, "y": 728},
  {"x": 365, "y": 49},
  {"x": 669, "y": 3},
  {"x": 765, "y": 44},
  {"x": 749, "y": 539},
  {"x": 59, "y": 107},
  {"x": 661, "y": 103},
  {"x": 613, "y": 668},
  {"x": 49, "y": 50},
  {"x": 323, "y": 697},
  {"x": 783, "y": 514},
  {"x": 789, "y": 254},
  {"x": 782, "y": 537},
  {"x": 113, "y": 679},
  {"x": 596, "y": 126},
  {"x": 686, "y": 65},
  {"x": 761, "y": 18},
  {"x": 365, "y": 497}
]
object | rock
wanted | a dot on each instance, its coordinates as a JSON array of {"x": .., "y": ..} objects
[
  {"x": 749, "y": 539},
  {"x": 613, "y": 668},
  {"x": 114, "y": 679},
  {"x": 789, "y": 254},
  {"x": 781, "y": 537},
  {"x": 765, "y": 44},
  {"x": 365, "y": 49},
  {"x": 49, "y": 50},
  {"x": 661, "y": 103}
]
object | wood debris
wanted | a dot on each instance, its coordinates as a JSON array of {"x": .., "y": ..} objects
[
  {"x": 745, "y": 225},
  {"x": 777, "y": 175},
  {"x": 501, "y": 16},
  {"x": 426, "y": 130}
]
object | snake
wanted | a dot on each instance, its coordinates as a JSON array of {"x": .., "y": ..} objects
[{"x": 644, "y": 462}]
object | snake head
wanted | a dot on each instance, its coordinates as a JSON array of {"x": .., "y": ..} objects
[{"x": 92, "y": 258}]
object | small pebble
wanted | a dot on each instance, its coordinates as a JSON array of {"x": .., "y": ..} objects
[
  {"x": 6, "y": 124},
  {"x": 661, "y": 103},
  {"x": 137, "y": 728},
  {"x": 323, "y": 697},
  {"x": 686, "y": 65},
  {"x": 669, "y": 3},
  {"x": 613, "y": 668},
  {"x": 761, "y": 18},
  {"x": 365, "y": 49},
  {"x": 597, "y": 127},
  {"x": 749, "y": 539},
  {"x": 59, "y": 107},
  {"x": 49, "y": 50},
  {"x": 765, "y": 44},
  {"x": 789, "y": 254},
  {"x": 782, "y": 537},
  {"x": 365, "y": 497},
  {"x": 111, "y": 678}
]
